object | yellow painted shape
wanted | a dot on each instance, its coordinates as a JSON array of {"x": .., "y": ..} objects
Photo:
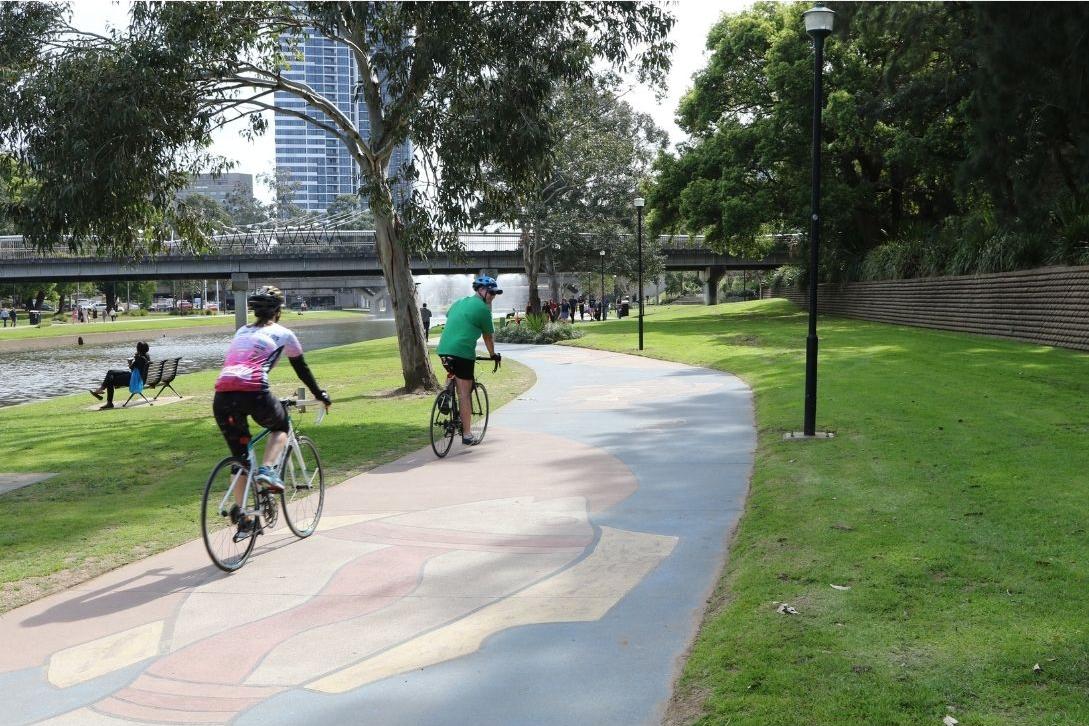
[
  {"x": 583, "y": 593},
  {"x": 98, "y": 657}
]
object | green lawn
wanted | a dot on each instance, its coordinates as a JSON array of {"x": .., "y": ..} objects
[
  {"x": 129, "y": 481},
  {"x": 147, "y": 322},
  {"x": 953, "y": 503}
]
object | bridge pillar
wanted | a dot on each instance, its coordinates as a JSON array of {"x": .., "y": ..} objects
[
  {"x": 240, "y": 286},
  {"x": 711, "y": 276}
]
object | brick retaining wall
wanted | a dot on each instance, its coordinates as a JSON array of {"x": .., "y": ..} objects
[{"x": 1048, "y": 305}]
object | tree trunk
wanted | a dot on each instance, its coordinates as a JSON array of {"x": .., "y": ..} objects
[
  {"x": 531, "y": 259},
  {"x": 39, "y": 299},
  {"x": 397, "y": 269},
  {"x": 111, "y": 295},
  {"x": 553, "y": 282}
]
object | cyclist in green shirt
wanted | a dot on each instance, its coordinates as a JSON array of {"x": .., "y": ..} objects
[{"x": 468, "y": 319}]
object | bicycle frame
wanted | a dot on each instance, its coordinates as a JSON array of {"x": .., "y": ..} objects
[{"x": 291, "y": 446}]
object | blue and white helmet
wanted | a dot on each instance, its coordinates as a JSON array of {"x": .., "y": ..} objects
[{"x": 488, "y": 283}]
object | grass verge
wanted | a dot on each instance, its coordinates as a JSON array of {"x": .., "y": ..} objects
[
  {"x": 129, "y": 482},
  {"x": 952, "y": 503}
]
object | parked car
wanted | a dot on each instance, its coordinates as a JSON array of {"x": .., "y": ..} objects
[{"x": 214, "y": 307}]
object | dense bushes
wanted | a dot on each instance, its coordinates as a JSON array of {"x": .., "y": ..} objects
[{"x": 533, "y": 329}]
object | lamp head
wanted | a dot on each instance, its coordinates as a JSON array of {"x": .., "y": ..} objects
[
  {"x": 602, "y": 253},
  {"x": 818, "y": 21},
  {"x": 639, "y": 202}
]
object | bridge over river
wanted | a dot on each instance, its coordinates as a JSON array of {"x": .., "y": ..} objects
[{"x": 331, "y": 253}]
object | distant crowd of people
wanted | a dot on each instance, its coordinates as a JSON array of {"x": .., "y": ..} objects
[
  {"x": 92, "y": 314},
  {"x": 565, "y": 311}
]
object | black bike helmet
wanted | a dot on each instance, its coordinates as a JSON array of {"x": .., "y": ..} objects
[{"x": 267, "y": 301}]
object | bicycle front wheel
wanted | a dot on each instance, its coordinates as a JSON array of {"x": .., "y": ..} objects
[
  {"x": 480, "y": 408},
  {"x": 220, "y": 513},
  {"x": 442, "y": 422},
  {"x": 304, "y": 488}
]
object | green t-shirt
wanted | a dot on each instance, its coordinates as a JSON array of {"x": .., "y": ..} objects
[{"x": 466, "y": 320}]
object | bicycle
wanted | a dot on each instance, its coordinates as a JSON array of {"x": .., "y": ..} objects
[
  {"x": 446, "y": 416},
  {"x": 223, "y": 506}
]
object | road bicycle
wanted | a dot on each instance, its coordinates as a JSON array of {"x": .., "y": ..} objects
[
  {"x": 232, "y": 494},
  {"x": 446, "y": 416}
]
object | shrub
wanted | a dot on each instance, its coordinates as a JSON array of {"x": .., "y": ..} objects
[
  {"x": 548, "y": 334},
  {"x": 785, "y": 276},
  {"x": 535, "y": 322}
]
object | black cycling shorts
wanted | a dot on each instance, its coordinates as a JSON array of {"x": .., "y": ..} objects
[
  {"x": 231, "y": 409},
  {"x": 462, "y": 368}
]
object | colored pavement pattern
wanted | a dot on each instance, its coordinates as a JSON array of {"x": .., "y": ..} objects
[{"x": 555, "y": 574}]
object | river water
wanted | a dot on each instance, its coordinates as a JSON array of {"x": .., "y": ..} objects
[{"x": 42, "y": 374}]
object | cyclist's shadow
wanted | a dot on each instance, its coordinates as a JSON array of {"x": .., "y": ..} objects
[{"x": 124, "y": 595}]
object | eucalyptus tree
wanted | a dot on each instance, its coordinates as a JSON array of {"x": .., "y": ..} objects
[
  {"x": 582, "y": 201},
  {"x": 109, "y": 125}
]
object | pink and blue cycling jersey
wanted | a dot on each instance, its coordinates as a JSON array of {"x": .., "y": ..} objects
[{"x": 253, "y": 352}]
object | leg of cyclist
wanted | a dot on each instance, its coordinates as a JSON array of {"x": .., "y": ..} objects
[
  {"x": 270, "y": 413},
  {"x": 465, "y": 389},
  {"x": 230, "y": 415}
]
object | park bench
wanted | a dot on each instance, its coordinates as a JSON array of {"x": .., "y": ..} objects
[{"x": 159, "y": 375}]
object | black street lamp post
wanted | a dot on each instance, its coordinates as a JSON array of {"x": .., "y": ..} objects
[
  {"x": 601, "y": 301},
  {"x": 818, "y": 23},
  {"x": 639, "y": 236}
]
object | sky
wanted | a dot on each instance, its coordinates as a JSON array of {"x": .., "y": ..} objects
[{"x": 689, "y": 36}]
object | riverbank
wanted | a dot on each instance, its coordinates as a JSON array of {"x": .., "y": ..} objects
[
  {"x": 123, "y": 331},
  {"x": 127, "y": 483},
  {"x": 930, "y": 550}
]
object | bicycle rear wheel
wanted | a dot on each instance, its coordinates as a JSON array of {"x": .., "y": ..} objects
[
  {"x": 220, "y": 514},
  {"x": 304, "y": 488},
  {"x": 479, "y": 398},
  {"x": 442, "y": 422}
]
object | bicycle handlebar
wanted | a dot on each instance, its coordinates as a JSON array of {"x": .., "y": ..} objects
[
  {"x": 294, "y": 403},
  {"x": 498, "y": 359}
]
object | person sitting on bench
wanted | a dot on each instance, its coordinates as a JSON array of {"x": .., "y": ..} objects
[{"x": 118, "y": 378}]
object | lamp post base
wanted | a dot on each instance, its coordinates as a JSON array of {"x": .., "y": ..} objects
[{"x": 800, "y": 435}]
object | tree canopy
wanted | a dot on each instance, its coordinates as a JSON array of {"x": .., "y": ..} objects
[
  {"x": 582, "y": 201},
  {"x": 955, "y": 136},
  {"x": 108, "y": 127}
]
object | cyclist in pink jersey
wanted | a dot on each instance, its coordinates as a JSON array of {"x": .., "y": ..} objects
[{"x": 242, "y": 386}]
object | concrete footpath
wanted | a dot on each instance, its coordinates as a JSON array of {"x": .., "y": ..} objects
[{"x": 555, "y": 574}]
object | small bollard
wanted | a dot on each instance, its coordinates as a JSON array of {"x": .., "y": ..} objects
[{"x": 300, "y": 396}]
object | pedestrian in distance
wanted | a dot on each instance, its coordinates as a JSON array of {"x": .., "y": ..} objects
[
  {"x": 425, "y": 316},
  {"x": 565, "y": 311},
  {"x": 14, "y": 317},
  {"x": 4, "y": 315}
]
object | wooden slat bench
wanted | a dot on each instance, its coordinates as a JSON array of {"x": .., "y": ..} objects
[{"x": 159, "y": 375}]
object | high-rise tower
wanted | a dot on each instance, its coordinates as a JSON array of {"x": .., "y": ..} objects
[{"x": 317, "y": 160}]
